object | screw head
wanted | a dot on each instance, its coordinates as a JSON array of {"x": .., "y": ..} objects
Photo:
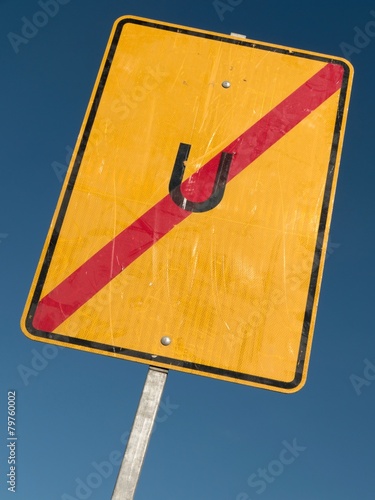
[
  {"x": 165, "y": 340},
  {"x": 225, "y": 84}
]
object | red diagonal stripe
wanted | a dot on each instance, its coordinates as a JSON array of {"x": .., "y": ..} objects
[{"x": 115, "y": 256}]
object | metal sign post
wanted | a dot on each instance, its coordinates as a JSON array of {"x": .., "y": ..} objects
[{"x": 140, "y": 434}]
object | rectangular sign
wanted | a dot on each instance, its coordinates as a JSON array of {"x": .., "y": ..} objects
[{"x": 193, "y": 222}]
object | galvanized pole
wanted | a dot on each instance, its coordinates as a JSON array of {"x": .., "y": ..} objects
[{"x": 140, "y": 434}]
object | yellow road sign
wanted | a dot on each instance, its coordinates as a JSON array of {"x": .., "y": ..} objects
[{"x": 192, "y": 226}]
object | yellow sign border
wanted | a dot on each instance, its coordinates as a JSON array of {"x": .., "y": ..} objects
[{"x": 89, "y": 119}]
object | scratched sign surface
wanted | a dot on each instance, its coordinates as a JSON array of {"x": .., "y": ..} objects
[{"x": 192, "y": 226}]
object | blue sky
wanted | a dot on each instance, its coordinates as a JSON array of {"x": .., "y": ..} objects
[{"x": 213, "y": 439}]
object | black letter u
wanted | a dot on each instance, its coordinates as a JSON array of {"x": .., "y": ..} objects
[{"x": 218, "y": 187}]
